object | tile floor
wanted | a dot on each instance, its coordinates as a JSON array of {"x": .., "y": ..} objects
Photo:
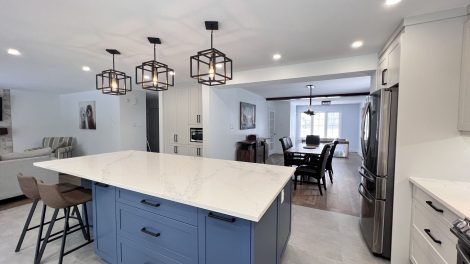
[{"x": 317, "y": 237}]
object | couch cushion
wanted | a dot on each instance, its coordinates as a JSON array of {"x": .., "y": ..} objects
[
  {"x": 26, "y": 154},
  {"x": 57, "y": 142}
]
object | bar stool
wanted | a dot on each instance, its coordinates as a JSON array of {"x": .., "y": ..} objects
[
  {"x": 29, "y": 187},
  {"x": 52, "y": 196}
]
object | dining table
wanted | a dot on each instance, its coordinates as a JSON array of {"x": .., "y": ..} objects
[{"x": 307, "y": 150}]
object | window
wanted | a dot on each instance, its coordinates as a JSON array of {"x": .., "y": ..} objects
[{"x": 323, "y": 124}]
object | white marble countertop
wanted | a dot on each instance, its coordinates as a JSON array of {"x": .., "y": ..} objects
[
  {"x": 452, "y": 194},
  {"x": 240, "y": 189}
]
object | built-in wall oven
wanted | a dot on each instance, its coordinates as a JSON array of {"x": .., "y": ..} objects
[{"x": 195, "y": 135}]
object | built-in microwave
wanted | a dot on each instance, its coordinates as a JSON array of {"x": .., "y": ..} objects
[{"x": 195, "y": 134}]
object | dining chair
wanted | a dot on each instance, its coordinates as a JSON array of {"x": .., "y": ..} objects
[
  {"x": 315, "y": 168},
  {"x": 329, "y": 166},
  {"x": 312, "y": 140},
  {"x": 291, "y": 158}
]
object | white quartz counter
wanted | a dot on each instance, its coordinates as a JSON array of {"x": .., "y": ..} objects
[
  {"x": 240, "y": 189},
  {"x": 453, "y": 194}
]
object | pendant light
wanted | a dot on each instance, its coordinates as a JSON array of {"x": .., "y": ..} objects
[
  {"x": 310, "y": 111},
  {"x": 211, "y": 66},
  {"x": 112, "y": 81},
  {"x": 153, "y": 75}
]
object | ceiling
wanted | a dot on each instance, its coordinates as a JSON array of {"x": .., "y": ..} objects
[
  {"x": 322, "y": 87},
  {"x": 57, "y": 38},
  {"x": 334, "y": 100}
]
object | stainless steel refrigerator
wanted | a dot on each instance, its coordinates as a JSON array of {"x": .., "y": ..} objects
[{"x": 378, "y": 137}]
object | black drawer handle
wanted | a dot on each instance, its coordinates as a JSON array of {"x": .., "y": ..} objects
[
  {"x": 150, "y": 233},
  {"x": 428, "y": 232},
  {"x": 218, "y": 217},
  {"x": 149, "y": 203},
  {"x": 434, "y": 207},
  {"x": 101, "y": 184}
]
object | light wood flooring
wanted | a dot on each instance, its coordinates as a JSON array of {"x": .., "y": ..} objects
[{"x": 342, "y": 196}]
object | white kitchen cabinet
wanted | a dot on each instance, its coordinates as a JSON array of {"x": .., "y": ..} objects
[
  {"x": 388, "y": 68},
  {"x": 195, "y": 106},
  {"x": 431, "y": 238},
  {"x": 179, "y": 104},
  {"x": 195, "y": 151},
  {"x": 464, "y": 98},
  {"x": 178, "y": 149}
]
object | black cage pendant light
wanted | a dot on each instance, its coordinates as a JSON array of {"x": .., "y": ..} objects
[
  {"x": 211, "y": 66},
  {"x": 112, "y": 81},
  {"x": 153, "y": 75},
  {"x": 310, "y": 111}
]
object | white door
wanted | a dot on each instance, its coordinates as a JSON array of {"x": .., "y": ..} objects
[{"x": 272, "y": 130}]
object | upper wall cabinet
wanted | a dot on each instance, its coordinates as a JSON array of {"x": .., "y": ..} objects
[
  {"x": 464, "y": 99},
  {"x": 388, "y": 69}
]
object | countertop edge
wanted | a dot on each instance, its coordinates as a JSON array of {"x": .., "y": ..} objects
[
  {"x": 415, "y": 181},
  {"x": 190, "y": 203}
]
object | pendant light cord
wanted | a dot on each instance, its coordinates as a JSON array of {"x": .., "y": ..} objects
[
  {"x": 113, "y": 63},
  {"x": 154, "y": 52},
  {"x": 212, "y": 38},
  {"x": 310, "y": 97}
]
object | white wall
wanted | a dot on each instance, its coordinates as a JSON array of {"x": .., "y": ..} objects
[
  {"x": 120, "y": 122},
  {"x": 350, "y": 121},
  {"x": 133, "y": 122},
  {"x": 106, "y": 137},
  {"x": 221, "y": 111},
  {"x": 428, "y": 143},
  {"x": 282, "y": 122},
  {"x": 34, "y": 115}
]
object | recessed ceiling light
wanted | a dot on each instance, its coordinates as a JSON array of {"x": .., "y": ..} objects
[
  {"x": 14, "y": 52},
  {"x": 392, "y": 2},
  {"x": 86, "y": 68},
  {"x": 357, "y": 44},
  {"x": 277, "y": 56}
]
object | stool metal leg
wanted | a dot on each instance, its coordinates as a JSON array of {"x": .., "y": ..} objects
[
  {"x": 41, "y": 225},
  {"x": 80, "y": 222},
  {"x": 64, "y": 237},
  {"x": 48, "y": 234},
  {"x": 85, "y": 212},
  {"x": 26, "y": 225}
]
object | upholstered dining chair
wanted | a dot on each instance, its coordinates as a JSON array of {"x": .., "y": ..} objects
[
  {"x": 329, "y": 165},
  {"x": 315, "y": 168}
]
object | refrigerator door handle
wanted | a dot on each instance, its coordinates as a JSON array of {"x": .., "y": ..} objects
[
  {"x": 364, "y": 144},
  {"x": 366, "y": 174},
  {"x": 364, "y": 193}
]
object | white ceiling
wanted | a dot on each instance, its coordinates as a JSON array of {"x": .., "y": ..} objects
[
  {"x": 322, "y": 87},
  {"x": 58, "y": 37}
]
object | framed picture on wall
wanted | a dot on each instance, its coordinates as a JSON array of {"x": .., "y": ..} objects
[
  {"x": 87, "y": 111},
  {"x": 247, "y": 116}
]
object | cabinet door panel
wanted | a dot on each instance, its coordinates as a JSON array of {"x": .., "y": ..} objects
[
  {"x": 169, "y": 115},
  {"x": 382, "y": 72},
  {"x": 194, "y": 105},
  {"x": 195, "y": 151},
  {"x": 464, "y": 97},
  {"x": 224, "y": 241},
  {"x": 104, "y": 221},
  {"x": 182, "y": 128},
  {"x": 393, "y": 65}
]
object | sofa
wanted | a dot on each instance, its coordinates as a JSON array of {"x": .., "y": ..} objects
[
  {"x": 61, "y": 146},
  {"x": 11, "y": 164}
]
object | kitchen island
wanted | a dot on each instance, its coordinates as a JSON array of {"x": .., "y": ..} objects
[{"x": 163, "y": 208}]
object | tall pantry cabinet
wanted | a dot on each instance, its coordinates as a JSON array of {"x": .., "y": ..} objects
[{"x": 182, "y": 110}]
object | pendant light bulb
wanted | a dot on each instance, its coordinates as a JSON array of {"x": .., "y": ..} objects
[
  {"x": 114, "y": 84},
  {"x": 211, "y": 71},
  {"x": 154, "y": 78}
]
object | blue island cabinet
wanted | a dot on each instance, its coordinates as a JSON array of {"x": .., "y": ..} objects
[{"x": 148, "y": 229}]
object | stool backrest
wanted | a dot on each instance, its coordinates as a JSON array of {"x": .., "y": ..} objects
[
  {"x": 51, "y": 196},
  {"x": 29, "y": 186}
]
